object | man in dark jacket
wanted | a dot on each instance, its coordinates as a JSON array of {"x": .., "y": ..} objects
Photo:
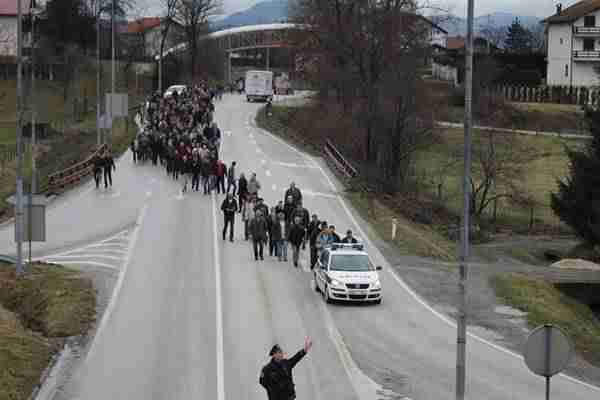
[
  {"x": 229, "y": 208},
  {"x": 296, "y": 238},
  {"x": 294, "y": 192},
  {"x": 303, "y": 214},
  {"x": 258, "y": 230},
  {"x": 314, "y": 235},
  {"x": 276, "y": 377},
  {"x": 349, "y": 239},
  {"x": 97, "y": 170},
  {"x": 243, "y": 189},
  {"x": 231, "y": 178},
  {"x": 108, "y": 165}
]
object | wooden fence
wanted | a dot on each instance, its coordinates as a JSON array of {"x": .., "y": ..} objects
[{"x": 549, "y": 94}]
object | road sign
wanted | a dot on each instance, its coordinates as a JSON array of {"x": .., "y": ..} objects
[{"x": 547, "y": 352}]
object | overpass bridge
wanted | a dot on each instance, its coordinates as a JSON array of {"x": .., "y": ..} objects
[{"x": 235, "y": 40}]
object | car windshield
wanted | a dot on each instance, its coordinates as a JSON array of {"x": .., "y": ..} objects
[{"x": 350, "y": 262}]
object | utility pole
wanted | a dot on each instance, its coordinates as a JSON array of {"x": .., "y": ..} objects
[
  {"x": 19, "y": 206},
  {"x": 461, "y": 327},
  {"x": 33, "y": 182},
  {"x": 98, "y": 67},
  {"x": 113, "y": 66}
]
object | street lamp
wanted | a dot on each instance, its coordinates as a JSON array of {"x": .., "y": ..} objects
[{"x": 19, "y": 131}]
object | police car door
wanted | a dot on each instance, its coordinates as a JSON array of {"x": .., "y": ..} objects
[{"x": 322, "y": 270}]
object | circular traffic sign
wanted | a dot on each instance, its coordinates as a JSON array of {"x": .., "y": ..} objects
[{"x": 547, "y": 350}]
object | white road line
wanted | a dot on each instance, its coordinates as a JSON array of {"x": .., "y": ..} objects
[
  {"x": 274, "y": 187},
  {"x": 117, "y": 245},
  {"x": 263, "y": 161},
  {"x": 116, "y": 194},
  {"x": 83, "y": 262},
  {"x": 179, "y": 195},
  {"x": 258, "y": 150},
  {"x": 148, "y": 194},
  {"x": 251, "y": 136},
  {"x": 268, "y": 173},
  {"x": 85, "y": 255},
  {"x": 400, "y": 280},
  {"x": 292, "y": 165},
  {"x": 119, "y": 285},
  {"x": 219, "y": 310}
]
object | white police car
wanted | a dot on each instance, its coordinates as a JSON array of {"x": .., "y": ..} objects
[{"x": 345, "y": 273}]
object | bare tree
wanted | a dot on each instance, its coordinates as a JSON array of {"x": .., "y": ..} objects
[
  {"x": 193, "y": 16},
  {"x": 170, "y": 8},
  {"x": 493, "y": 34}
]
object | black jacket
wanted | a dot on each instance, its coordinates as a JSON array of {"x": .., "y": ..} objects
[
  {"x": 229, "y": 207},
  {"x": 349, "y": 241},
  {"x": 276, "y": 377},
  {"x": 296, "y": 235}
]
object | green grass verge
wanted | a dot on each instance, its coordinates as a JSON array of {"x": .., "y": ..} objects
[
  {"x": 546, "y": 304},
  {"x": 49, "y": 304}
]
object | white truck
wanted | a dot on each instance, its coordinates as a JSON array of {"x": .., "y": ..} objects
[
  {"x": 283, "y": 85},
  {"x": 259, "y": 85}
]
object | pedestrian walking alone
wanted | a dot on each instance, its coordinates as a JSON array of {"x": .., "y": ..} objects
[
  {"x": 276, "y": 377},
  {"x": 229, "y": 208},
  {"x": 108, "y": 165},
  {"x": 98, "y": 162}
]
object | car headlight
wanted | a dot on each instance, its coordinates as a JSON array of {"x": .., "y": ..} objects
[
  {"x": 376, "y": 284},
  {"x": 335, "y": 283}
]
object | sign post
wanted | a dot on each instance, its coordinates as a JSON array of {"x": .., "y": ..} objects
[{"x": 547, "y": 352}]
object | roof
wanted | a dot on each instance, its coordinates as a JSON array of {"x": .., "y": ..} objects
[
  {"x": 252, "y": 28},
  {"x": 142, "y": 24},
  {"x": 8, "y": 8},
  {"x": 574, "y": 12},
  {"x": 455, "y": 42}
]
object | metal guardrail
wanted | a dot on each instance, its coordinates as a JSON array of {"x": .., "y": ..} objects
[
  {"x": 338, "y": 160},
  {"x": 7, "y": 259},
  {"x": 58, "y": 181}
]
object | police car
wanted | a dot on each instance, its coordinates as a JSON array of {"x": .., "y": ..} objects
[{"x": 344, "y": 272}]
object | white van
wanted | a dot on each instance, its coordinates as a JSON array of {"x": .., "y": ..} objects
[{"x": 259, "y": 85}]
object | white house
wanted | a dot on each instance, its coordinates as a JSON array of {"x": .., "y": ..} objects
[{"x": 573, "y": 44}]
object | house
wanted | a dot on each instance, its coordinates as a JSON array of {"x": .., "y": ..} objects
[
  {"x": 573, "y": 44},
  {"x": 456, "y": 44},
  {"x": 8, "y": 26},
  {"x": 143, "y": 36}
]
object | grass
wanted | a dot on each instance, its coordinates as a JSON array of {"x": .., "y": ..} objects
[
  {"x": 412, "y": 238},
  {"x": 546, "y": 304},
  {"x": 36, "y": 313}
]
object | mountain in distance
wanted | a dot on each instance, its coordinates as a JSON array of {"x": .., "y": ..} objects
[
  {"x": 265, "y": 12},
  {"x": 458, "y": 26}
]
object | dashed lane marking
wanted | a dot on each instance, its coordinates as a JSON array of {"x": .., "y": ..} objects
[
  {"x": 268, "y": 173},
  {"x": 274, "y": 187},
  {"x": 292, "y": 165}
]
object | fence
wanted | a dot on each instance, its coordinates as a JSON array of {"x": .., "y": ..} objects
[
  {"x": 576, "y": 95},
  {"x": 338, "y": 161},
  {"x": 73, "y": 174},
  {"x": 444, "y": 73}
]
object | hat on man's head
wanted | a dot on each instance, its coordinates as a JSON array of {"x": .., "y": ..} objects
[{"x": 275, "y": 349}]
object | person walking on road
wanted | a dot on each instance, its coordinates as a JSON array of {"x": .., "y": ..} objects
[
  {"x": 296, "y": 238},
  {"x": 313, "y": 231},
  {"x": 231, "y": 178},
  {"x": 273, "y": 220},
  {"x": 108, "y": 166},
  {"x": 303, "y": 214},
  {"x": 258, "y": 230},
  {"x": 253, "y": 185},
  {"x": 229, "y": 208},
  {"x": 276, "y": 377},
  {"x": 98, "y": 162},
  {"x": 221, "y": 172},
  {"x": 294, "y": 192},
  {"x": 279, "y": 233},
  {"x": 247, "y": 216},
  {"x": 243, "y": 188}
]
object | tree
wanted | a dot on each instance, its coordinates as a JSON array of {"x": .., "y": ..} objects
[
  {"x": 494, "y": 35},
  {"x": 169, "y": 12},
  {"x": 576, "y": 202},
  {"x": 193, "y": 16},
  {"x": 518, "y": 38},
  {"x": 63, "y": 17}
]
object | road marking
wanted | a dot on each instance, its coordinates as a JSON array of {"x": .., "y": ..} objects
[
  {"x": 292, "y": 165},
  {"x": 83, "y": 262},
  {"x": 400, "y": 280},
  {"x": 263, "y": 161},
  {"x": 268, "y": 173},
  {"x": 179, "y": 195},
  {"x": 258, "y": 150},
  {"x": 251, "y": 136},
  {"x": 274, "y": 187},
  {"x": 116, "y": 194},
  {"x": 219, "y": 311},
  {"x": 148, "y": 194},
  {"x": 228, "y": 133},
  {"x": 119, "y": 285},
  {"x": 85, "y": 255}
]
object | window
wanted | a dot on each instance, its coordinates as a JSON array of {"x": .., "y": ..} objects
[
  {"x": 588, "y": 44},
  {"x": 589, "y": 20},
  {"x": 566, "y": 69},
  {"x": 350, "y": 263}
]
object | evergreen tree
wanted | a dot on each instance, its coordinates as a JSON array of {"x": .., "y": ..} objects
[
  {"x": 518, "y": 38},
  {"x": 577, "y": 202}
]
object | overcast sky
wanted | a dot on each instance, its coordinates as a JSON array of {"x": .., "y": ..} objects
[{"x": 539, "y": 8}]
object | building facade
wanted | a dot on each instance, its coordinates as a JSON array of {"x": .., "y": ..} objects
[{"x": 573, "y": 45}]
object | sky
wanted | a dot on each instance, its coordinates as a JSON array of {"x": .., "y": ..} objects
[{"x": 538, "y": 8}]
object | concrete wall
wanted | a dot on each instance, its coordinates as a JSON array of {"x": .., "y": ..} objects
[{"x": 559, "y": 54}]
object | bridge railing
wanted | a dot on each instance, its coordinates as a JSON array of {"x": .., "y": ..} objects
[
  {"x": 58, "y": 181},
  {"x": 339, "y": 162}
]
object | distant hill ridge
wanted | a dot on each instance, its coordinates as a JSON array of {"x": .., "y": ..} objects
[{"x": 272, "y": 11}]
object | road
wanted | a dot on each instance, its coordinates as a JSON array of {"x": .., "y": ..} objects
[{"x": 194, "y": 316}]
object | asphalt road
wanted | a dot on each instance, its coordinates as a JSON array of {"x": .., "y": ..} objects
[{"x": 194, "y": 316}]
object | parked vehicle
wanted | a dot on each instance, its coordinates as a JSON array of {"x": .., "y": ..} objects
[
  {"x": 259, "y": 85},
  {"x": 175, "y": 88}
]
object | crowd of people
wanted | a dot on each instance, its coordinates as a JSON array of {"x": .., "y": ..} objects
[{"x": 181, "y": 135}]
